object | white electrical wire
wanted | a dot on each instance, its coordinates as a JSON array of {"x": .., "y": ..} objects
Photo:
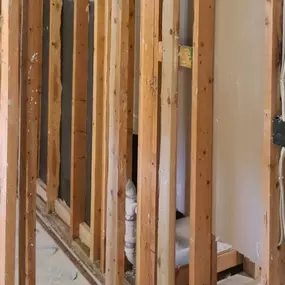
[{"x": 282, "y": 153}]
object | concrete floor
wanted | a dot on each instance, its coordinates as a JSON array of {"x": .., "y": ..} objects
[
  {"x": 238, "y": 279},
  {"x": 53, "y": 266}
]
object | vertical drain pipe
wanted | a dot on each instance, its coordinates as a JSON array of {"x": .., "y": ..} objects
[{"x": 131, "y": 221}]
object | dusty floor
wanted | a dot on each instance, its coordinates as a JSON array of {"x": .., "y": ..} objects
[
  {"x": 53, "y": 266},
  {"x": 238, "y": 279}
]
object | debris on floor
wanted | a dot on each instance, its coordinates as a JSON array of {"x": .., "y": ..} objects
[{"x": 53, "y": 266}]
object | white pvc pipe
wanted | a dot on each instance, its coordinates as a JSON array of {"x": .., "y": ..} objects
[{"x": 130, "y": 221}]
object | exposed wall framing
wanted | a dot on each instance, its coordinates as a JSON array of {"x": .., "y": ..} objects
[{"x": 100, "y": 244}]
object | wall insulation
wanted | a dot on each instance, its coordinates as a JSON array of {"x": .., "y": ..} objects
[{"x": 238, "y": 123}]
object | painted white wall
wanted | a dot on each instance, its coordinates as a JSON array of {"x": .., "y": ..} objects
[{"x": 239, "y": 77}]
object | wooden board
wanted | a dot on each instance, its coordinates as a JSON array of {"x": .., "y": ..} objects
[
  {"x": 44, "y": 96},
  {"x": 9, "y": 118},
  {"x": 79, "y": 114},
  {"x": 107, "y": 13},
  {"x": 201, "y": 144},
  {"x": 168, "y": 143},
  {"x": 98, "y": 138},
  {"x": 148, "y": 145},
  {"x": 31, "y": 80},
  {"x": 120, "y": 135},
  {"x": 22, "y": 190},
  {"x": 54, "y": 104},
  {"x": 89, "y": 132},
  {"x": 67, "y": 20},
  {"x": 272, "y": 258}
]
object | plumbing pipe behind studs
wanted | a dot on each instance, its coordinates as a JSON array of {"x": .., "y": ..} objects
[{"x": 131, "y": 220}]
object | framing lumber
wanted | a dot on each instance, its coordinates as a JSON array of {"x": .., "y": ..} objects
[
  {"x": 22, "y": 190},
  {"x": 120, "y": 135},
  {"x": 225, "y": 260},
  {"x": 31, "y": 79},
  {"x": 98, "y": 138},
  {"x": 9, "y": 126},
  {"x": 79, "y": 115},
  {"x": 54, "y": 104},
  {"x": 168, "y": 143},
  {"x": 108, "y": 10},
  {"x": 273, "y": 258},
  {"x": 147, "y": 199},
  {"x": 201, "y": 144},
  {"x": 251, "y": 268}
]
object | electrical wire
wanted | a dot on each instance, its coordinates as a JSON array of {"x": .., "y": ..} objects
[{"x": 282, "y": 153}]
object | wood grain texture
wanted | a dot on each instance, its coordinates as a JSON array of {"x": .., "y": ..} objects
[
  {"x": 108, "y": 11},
  {"x": 98, "y": 138},
  {"x": 272, "y": 258},
  {"x": 22, "y": 190},
  {"x": 9, "y": 126},
  {"x": 31, "y": 80},
  {"x": 120, "y": 135},
  {"x": 147, "y": 216},
  {"x": 54, "y": 104},
  {"x": 168, "y": 143},
  {"x": 201, "y": 144},
  {"x": 79, "y": 115}
]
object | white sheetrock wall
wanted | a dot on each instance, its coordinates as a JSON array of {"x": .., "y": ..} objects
[
  {"x": 184, "y": 104},
  {"x": 239, "y": 86}
]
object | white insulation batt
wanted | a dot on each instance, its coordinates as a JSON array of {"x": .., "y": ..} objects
[{"x": 239, "y": 88}]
